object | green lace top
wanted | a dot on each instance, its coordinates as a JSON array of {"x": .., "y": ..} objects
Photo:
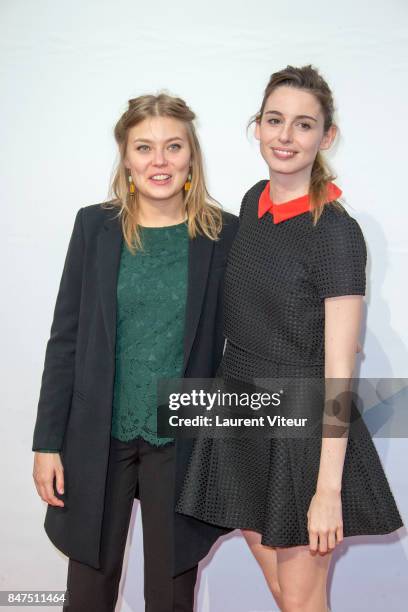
[
  {"x": 151, "y": 301},
  {"x": 151, "y": 298}
]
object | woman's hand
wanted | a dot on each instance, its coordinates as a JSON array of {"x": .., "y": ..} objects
[
  {"x": 325, "y": 521},
  {"x": 48, "y": 466}
]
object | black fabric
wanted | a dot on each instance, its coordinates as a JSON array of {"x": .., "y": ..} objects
[
  {"x": 278, "y": 274},
  {"x": 75, "y": 405},
  {"x": 276, "y": 281},
  {"x": 96, "y": 590}
]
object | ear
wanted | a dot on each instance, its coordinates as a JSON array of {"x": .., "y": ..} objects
[
  {"x": 257, "y": 130},
  {"x": 328, "y": 138}
]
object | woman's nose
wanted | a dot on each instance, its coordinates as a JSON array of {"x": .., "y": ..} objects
[
  {"x": 286, "y": 134},
  {"x": 159, "y": 158}
]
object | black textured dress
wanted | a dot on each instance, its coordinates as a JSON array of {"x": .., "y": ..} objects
[{"x": 278, "y": 275}]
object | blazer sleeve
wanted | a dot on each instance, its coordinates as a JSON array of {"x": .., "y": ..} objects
[{"x": 59, "y": 366}]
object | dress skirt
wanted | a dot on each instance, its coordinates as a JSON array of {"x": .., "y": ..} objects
[{"x": 266, "y": 485}]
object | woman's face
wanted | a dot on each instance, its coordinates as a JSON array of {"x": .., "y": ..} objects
[
  {"x": 158, "y": 157},
  {"x": 291, "y": 131}
]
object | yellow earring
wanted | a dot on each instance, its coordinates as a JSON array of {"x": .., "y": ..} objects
[
  {"x": 187, "y": 184},
  {"x": 131, "y": 185}
]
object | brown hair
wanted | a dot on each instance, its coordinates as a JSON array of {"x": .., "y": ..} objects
[
  {"x": 204, "y": 214},
  {"x": 309, "y": 79}
]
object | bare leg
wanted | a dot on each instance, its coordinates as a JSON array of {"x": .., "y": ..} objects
[
  {"x": 267, "y": 559},
  {"x": 302, "y": 577}
]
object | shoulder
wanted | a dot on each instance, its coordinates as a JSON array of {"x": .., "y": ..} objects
[
  {"x": 337, "y": 231},
  {"x": 90, "y": 219},
  {"x": 230, "y": 222},
  {"x": 336, "y": 221},
  {"x": 256, "y": 189},
  {"x": 251, "y": 196},
  {"x": 97, "y": 214}
]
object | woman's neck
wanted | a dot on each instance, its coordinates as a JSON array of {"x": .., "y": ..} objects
[
  {"x": 161, "y": 213},
  {"x": 286, "y": 187}
]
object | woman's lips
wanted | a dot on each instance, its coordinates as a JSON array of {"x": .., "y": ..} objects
[
  {"x": 160, "y": 179},
  {"x": 283, "y": 153}
]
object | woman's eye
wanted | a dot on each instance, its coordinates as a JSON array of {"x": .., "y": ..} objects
[
  {"x": 305, "y": 126},
  {"x": 175, "y": 147},
  {"x": 273, "y": 121},
  {"x": 143, "y": 148}
]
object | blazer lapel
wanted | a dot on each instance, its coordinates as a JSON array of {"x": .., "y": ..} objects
[
  {"x": 109, "y": 248},
  {"x": 199, "y": 257}
]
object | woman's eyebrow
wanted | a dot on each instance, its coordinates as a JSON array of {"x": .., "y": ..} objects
[
  {"x": 297, "y": 116},
  {"x": 150, "y": 141}
]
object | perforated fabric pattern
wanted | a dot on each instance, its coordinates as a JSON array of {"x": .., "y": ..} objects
[
  {"x": 276, "y": 281},
  {"x": 278, "y": 274}
]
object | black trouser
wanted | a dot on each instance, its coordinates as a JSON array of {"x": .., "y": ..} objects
[{"x": 96, "y": 590}]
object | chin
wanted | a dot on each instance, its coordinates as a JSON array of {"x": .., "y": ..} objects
[
  {"x": 162, "y": 194},
  {"x": 286, "y": 167},
  {"x": 283, "y": 168}
]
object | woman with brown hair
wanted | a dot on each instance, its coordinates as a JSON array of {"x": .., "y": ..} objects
[
  {"x": 294, "y": 291},
  {"x": 140, "y": 299}
]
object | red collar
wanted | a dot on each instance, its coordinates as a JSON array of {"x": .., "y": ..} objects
[{"x": 292, "y": 208}]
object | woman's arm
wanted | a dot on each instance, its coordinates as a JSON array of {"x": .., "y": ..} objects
[
  {"x": 342, "y": 329},
  {"x": 58, "y": 375}
]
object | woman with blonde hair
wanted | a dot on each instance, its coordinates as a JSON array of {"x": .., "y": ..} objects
[{"x": 140, "y": 299}]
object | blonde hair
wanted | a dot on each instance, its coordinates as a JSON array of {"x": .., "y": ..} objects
[
  {"x": 308, "y": 78},
  {"x": 204, "y": 215}
]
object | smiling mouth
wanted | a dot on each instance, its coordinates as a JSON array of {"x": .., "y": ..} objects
[
  {"x": 160, "y": 177},
  {"x": 283, "y": 153}
]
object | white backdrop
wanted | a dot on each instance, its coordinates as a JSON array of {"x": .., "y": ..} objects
[{"x": 67, "y": 70}]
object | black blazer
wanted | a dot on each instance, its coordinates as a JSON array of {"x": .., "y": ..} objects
[{"x": 75, "y": 405}]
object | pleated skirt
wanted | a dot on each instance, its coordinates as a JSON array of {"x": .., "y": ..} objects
[{"x": 266, "y": 484}]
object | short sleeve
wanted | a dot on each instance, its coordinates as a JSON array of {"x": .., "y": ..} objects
[{"x": 339, "y": 256}]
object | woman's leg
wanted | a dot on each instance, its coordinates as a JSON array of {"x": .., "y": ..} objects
[
  {"x": 267, "y": 559},
  {"x": 296, "y": 578},
  {"x": 163, "y": 593},
  {"x": 302, "y": 578},
  {"x": 96, "y": 590}
]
